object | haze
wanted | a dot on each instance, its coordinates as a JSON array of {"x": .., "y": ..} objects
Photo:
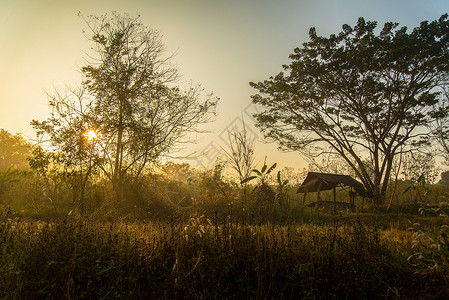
[{"x": 220, "y": 44}]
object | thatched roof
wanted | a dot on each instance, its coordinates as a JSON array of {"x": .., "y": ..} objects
[{"x": 328, "y": 182}]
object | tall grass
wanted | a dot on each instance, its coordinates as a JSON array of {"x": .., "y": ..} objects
[{"x": 210, "y": 258}]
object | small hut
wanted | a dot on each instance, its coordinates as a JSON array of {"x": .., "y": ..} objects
[{"x": 317, "y": 182}]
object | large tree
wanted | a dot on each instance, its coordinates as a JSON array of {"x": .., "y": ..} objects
[
  {"x": 131, "y": 98},
  {"x": 366, "y": 95}
]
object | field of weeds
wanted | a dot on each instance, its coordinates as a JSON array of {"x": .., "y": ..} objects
[{"x": 201, "y": 258}]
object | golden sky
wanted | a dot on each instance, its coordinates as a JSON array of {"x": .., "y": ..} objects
[{"x": 220, "y": 44}]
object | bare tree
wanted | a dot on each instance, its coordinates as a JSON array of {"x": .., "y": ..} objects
[
  {"x": 241, "y": 156},
  {"x": 241, "y": 152}
]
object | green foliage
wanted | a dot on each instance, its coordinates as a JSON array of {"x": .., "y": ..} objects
[
  {"x": 359, "y": 93},
  {"x": 281, "y": 184},
  {"x": 7, "y": 178},
  {"x": 444, "y": 178},
  {"x": 56, "y": 181},
  {"x": 262, "y": 193},
  {"x": 14, "y": 151},
  {"x": 261, "y": 174},
  {"x": 419, "y": 188},
  {"x": 419, "y": 167},
  {"x": 281, "y": 195}
]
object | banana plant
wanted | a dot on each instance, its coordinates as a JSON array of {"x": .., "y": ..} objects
[
  {"x": 281, "y": 184},
  {"x": 281, "y": 196},
  {"x": 261, "y": 174}
]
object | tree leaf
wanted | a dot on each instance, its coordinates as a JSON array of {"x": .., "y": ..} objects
[
  {"x": 248, "y": 179},
  {"x": 257, "y": 172},
  {"x": 271, "y": 168}
]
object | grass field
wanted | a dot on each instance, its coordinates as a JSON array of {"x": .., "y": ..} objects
[{"x": 323, "y": 256}]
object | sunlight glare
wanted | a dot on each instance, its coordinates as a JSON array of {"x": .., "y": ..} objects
[{"x": 91, "y": 135}]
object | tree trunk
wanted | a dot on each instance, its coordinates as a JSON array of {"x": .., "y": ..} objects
[{"x": 117, "y": 175}]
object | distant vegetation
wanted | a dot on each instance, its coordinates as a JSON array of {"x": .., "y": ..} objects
[{"x": 94, "y": 209}]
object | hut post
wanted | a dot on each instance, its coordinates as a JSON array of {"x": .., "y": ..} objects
[
  {"x": 335, "y": 203},
  {"x": 318, "y": 199}
]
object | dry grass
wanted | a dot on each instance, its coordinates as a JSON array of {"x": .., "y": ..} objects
[{"x": 202, "y": 258}]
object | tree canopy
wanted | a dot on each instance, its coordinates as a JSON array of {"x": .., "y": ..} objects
[
  {"x": 130, "y": 97},
  {"x": 366, "y": 95}
]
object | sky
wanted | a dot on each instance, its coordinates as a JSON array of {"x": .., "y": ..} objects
[{"x": 222, "y": 45}]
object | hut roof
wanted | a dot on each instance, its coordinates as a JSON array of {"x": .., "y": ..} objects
[{"x": 328, "y": 182}]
